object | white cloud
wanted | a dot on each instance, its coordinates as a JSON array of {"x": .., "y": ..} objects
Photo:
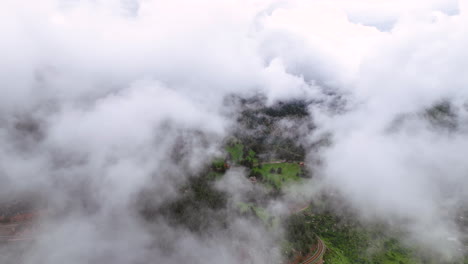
[{"x": 114, "y": 85}]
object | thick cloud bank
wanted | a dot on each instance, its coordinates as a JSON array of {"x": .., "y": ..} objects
[{"x": 102, "y": 99}]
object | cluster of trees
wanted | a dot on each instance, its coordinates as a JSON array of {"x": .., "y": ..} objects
[
  {"x": 300, "y": 234},
  {"x": 305, "y": 173},
  {"x": 296, "y": 108},
  {"x": 258, "y": 127},
  {"x": 248, "y": 157},
  {"x": 219, "y": 165},
  {"x": 257, "y": 174},
  {"x": 199, "y": 207},
  {"x": 289, "y": 149},
  {"x": 241, "y": 154}
]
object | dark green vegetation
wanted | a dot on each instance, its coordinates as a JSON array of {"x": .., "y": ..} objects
[
  {"x": 239, "y": 154},
  {"x": 273, "y": 132},
  {"x": 235, "y": 152},
  {"x": 284, "y": 109},
  {"x": 259, "y": 145},
  {"x": 199, "y": 208},
  {"x": 270, "y": 153},
  {"x": 349, "y": 242},
  {"x": 300, "y": 236},
  {"x": 269, "y": 144},
  {"x": 219, "y": 165}
]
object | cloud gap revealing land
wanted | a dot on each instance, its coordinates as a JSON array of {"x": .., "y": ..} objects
[{"x": 234, "y": 131}]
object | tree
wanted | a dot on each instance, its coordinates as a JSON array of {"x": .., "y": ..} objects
[
  {"x": 259, "y": 176},
  {"x": 300, "y": 234},
  {"x": 247, "y": 163}
]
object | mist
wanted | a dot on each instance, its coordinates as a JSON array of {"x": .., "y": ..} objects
[{"x": 103, "y": 100}]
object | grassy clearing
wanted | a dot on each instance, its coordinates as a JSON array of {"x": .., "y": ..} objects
[{"x": 289, "y": 173}]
